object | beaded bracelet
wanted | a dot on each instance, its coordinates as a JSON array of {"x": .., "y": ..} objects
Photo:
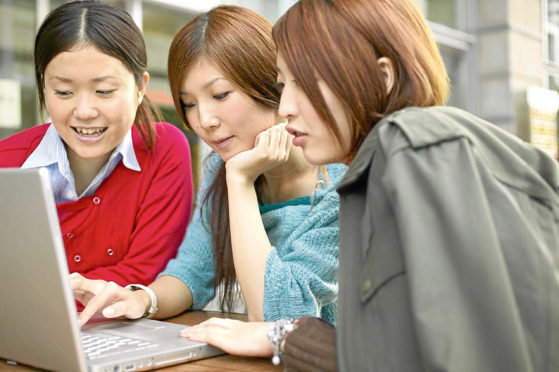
[{"x": 276, "y": 335}]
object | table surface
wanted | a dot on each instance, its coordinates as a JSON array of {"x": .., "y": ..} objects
[{"x": 219, "y": 363}]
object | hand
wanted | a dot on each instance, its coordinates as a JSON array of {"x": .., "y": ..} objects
[
  {"x": 233, "y": 336},
  {"x": 271, "y": 148},
  {"x": 107, "y": 298}
]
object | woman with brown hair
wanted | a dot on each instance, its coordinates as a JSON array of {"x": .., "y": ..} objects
[
  {"x": 266, "y": 219},
  {"x": 449, "y": 226},
  {"x": 122, "y": 182}
]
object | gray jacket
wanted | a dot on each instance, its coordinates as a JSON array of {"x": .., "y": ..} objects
[{"x": 449, "y": 249}]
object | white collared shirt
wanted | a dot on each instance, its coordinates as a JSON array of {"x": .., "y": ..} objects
[{"x": 52, "y": 155}]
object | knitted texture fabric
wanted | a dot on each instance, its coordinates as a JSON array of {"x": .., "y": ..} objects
[{"x": 301, "y": 269}]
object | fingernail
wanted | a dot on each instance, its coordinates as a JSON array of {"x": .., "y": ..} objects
[{"x": 108, "y": 312}]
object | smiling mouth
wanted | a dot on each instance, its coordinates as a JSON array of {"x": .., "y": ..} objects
[{"x": 89, "y": 132}]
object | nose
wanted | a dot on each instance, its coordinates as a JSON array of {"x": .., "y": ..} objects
[
  {"x": 207, "y": 116},
  {"x": 288, "y": 104},
  {"x": 85, "y": 108}
]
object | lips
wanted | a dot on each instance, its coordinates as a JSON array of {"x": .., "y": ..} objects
[
  {"x": 89, "y": 132},
  {"x": 89, "y": 135},
  {"x": 298, "y": 137},
  {"x": 223, "y": 142}
]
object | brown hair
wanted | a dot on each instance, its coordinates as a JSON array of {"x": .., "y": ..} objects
[
  {"x": 343, "y": 40},
  {"x": 239, "y": 42},
  {"x": 109, "y": 29}
]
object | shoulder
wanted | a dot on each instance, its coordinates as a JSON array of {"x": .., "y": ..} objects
[
  {"x": 166, "y": 135},
  {"x": 16, "y": 148},
  {"x": 170, "y": 142},
  {"x": 25, "y": 138},
  {"x": 212, "y": 165},
  {"x": 503, "y": 155},
  {"x": 169, "y": 133},
  {"x": 335, "y": 173},
  {"x": 326, "y": 201},
  {"x": 408, "y": 132},
  {"x": 210, "y": 168},
  {"x": 416, "y": 127}
]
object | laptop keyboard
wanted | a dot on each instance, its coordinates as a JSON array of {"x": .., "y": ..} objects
[{"x": 100, "y": 346}]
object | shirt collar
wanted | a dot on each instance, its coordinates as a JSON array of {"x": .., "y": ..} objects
[
  {"x": 126, "y": 148},
  {"x": 51, "y": 151}
]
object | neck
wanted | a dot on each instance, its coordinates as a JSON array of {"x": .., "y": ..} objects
[
  {"x": 288, "y": 181},
  {"x": 84, "y": 170}
]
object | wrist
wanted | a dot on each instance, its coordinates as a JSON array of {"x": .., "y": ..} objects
[
  {"x": 277, "y": 332},
  {"x": 147, "y": 298},
  {"x": 239, "y": 183}
]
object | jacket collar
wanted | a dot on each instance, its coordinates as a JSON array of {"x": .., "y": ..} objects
[{"x": 362, "y": 159}]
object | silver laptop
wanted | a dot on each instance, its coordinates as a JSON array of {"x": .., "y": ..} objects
[{"x": 38, "y": 318}]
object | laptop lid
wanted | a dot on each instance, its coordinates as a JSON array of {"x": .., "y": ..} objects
[
  {"x": 37, "y": 304},
  {"x": 38, "y": 319}
]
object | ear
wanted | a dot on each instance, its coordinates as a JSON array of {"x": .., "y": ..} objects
[
  {"x": 142, "y": 89},
  {"x": 387, "y": 70}
]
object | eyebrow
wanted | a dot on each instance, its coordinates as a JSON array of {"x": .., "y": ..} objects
[
  {"x": 205, "y": 86},
  {"x": 95, "y": 80},
  {"x": 103, "y": 78}
]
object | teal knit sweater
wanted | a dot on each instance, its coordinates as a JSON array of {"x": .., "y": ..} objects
[{"x": 301, "y": 269}]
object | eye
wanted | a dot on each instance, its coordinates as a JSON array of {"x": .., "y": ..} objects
[
  {"x": 62, "y": 93},
  {"x": 186, "y": 106},
  {"x": 221, "y": 96},
  {"x": 105, "y": 92}
]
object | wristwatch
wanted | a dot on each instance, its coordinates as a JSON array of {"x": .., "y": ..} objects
[{"x": 153, "y": 308}]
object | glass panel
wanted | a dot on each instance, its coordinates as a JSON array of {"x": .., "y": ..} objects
[
  {"x": 453, "y": 61},
  {"x": 160, "y": 24},
  {"x": 443, "y": 12},
  {"x": 553, "y": 12},
  {"x": 551, "y": 47},
  {"x": 17, "y": 85},
  {"x": 553, "y": 81}
]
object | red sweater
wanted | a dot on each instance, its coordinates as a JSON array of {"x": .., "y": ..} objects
[{"x": 133, "y": 224}]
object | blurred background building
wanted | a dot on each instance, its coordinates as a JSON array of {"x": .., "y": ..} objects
[{"x": 502, "y": 57}]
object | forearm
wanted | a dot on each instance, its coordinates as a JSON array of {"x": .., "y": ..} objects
[
  {"x": 173, "y": 296},
  {"x": 250, "y": 244}
]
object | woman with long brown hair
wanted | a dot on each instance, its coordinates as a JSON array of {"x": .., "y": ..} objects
[
  {"x": 267, "y": 219},
  {"x": 449, "y": 226}
]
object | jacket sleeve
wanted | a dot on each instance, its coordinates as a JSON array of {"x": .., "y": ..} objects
[
  {"x": 462, "y": 303},
  {"x": 161, "y": 217},
  {"x": 303, "y": 280}
]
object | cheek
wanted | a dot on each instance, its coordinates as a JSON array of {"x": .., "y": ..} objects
[
  {"x": 250, "y": 119},
  {"x": 309, "y": 114},
  {"x": 57, "y": 109},
  {"x": 196, "y": 129},
  {"x": 120, "y": 110}
]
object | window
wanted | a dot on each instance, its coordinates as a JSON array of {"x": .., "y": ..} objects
[
  {"x": 551, "y": 43},
  {"x": 17, "y": 79},
  {"x": 448, "y": 19}
]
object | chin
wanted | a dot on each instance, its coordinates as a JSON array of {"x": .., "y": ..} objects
[{"x": 315, "y": 159}]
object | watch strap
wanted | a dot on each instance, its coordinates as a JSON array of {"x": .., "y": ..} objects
[{"x": 153, "y": 308}]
